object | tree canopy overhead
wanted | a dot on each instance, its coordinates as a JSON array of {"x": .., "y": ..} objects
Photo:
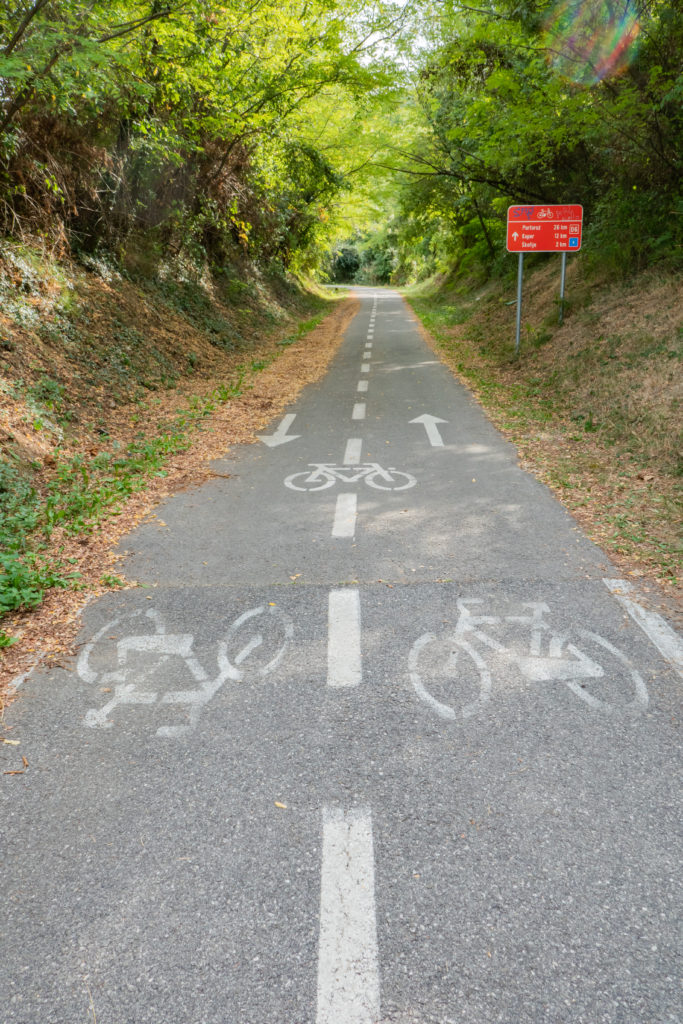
[
  {"x": 272, "y": 128},
  {"x": 575, "y": 101}
]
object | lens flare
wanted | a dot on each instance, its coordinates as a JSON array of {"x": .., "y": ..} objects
[{"x": 588, "y": 40}]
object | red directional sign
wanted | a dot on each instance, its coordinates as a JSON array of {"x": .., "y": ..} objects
[{"x": 544, "y": 228}]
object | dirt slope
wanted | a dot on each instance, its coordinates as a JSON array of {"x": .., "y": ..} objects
[{"x": 93, "y": 366}]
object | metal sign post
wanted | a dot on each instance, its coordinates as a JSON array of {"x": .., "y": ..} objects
[
  {"x": 563, "y": 275},
  {"x": 520, "y": 275},
  {"x": 543, "y": 229}
]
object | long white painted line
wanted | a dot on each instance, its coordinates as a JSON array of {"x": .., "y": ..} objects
[
  {"x": 358, "y": 411},
  {"x": 365, "y": 368},
  {"x": 362, "y": 385},
  {"x": 353, "y": 450},
  {"x": 348, "y": 972},
  {"x": 666, "y": 640},
  {"x": 344, "y": 524},
  {"x": 344, "y": 667}
]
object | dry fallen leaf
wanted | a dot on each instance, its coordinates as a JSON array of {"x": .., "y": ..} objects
[
  {"x": 282, "y": 807},
  {"x": 11, "y": 743}
]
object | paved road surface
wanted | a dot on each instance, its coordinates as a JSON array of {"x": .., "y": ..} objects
[{"x": 375, "y": 742}]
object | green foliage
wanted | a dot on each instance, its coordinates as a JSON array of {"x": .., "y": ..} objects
[
  {"x": 517, "y": 106},
  {"x": 202, "y": 126},
  {"x": 83, "y": 490},
  {"x": 344, "y": 263},
  {"x": 25, "y": 575}
]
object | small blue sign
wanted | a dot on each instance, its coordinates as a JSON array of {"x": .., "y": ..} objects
[{"x": 573, "y": 243}]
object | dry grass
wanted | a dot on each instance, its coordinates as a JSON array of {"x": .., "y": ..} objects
[
  {"x": 47, "y": 633},
  {"x": 593, "y": 406}
]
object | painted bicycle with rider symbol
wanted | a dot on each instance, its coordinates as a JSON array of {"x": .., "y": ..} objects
[{"x": 454, "y": 674}]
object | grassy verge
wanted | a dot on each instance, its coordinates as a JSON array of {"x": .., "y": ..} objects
[
  {"x": 594, "y": 405},
  {"x": 67, "y": 465}
]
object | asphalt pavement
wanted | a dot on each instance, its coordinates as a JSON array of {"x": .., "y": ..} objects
[{"x": 380, "y": 736}]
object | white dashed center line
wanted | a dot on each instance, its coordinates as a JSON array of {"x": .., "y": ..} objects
[
  {"x": 362, "y": 385},
  {"x": 348, "y": 973},
  {"x": 353, "y": 450},
  {"x": 344, "y": 524},
  {"x": 344, "y": 667},
  {"x": 358, "y": 411}
]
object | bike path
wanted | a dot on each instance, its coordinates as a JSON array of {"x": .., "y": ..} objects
[{"x": 316, "y": 841}]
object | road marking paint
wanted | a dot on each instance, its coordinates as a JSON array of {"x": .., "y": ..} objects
[
  {"x": 345, "y": 516},
  {"x": 365, "y": 368},
  {"x": 430, "y": 424},
  {"x": 665, "y": 639},
  {"x": 167, "y": 646},
  {"x": 353, "y": 451},
  {"x": 358, "y": 411},
  {"x": 344, "y": 667},
  {"x": 362, "y": 385},
  {"x": 348, "y": 972},
  {"x": 280, "y": 436}
]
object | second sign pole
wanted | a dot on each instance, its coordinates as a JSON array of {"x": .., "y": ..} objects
[{"x": 520, "y": 274}]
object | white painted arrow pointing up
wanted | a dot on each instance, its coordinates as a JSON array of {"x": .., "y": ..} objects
[
  {"x": 280, "y": 436},
  {"x": 430, "y": 425}
]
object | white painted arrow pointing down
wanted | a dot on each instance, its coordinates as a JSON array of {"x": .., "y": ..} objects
[
  {"x": 280, "y": 436},
  {"x": 430, "y": 425}
]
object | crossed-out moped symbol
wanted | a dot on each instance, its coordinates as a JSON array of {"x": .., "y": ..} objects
[{"x": 244, "y": 637}]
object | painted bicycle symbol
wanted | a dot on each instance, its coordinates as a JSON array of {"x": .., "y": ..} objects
[
  {"x": 326, "y": 474},
  {"x": 254, "y": 645},
  {"x": 454, "y": 664}
]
